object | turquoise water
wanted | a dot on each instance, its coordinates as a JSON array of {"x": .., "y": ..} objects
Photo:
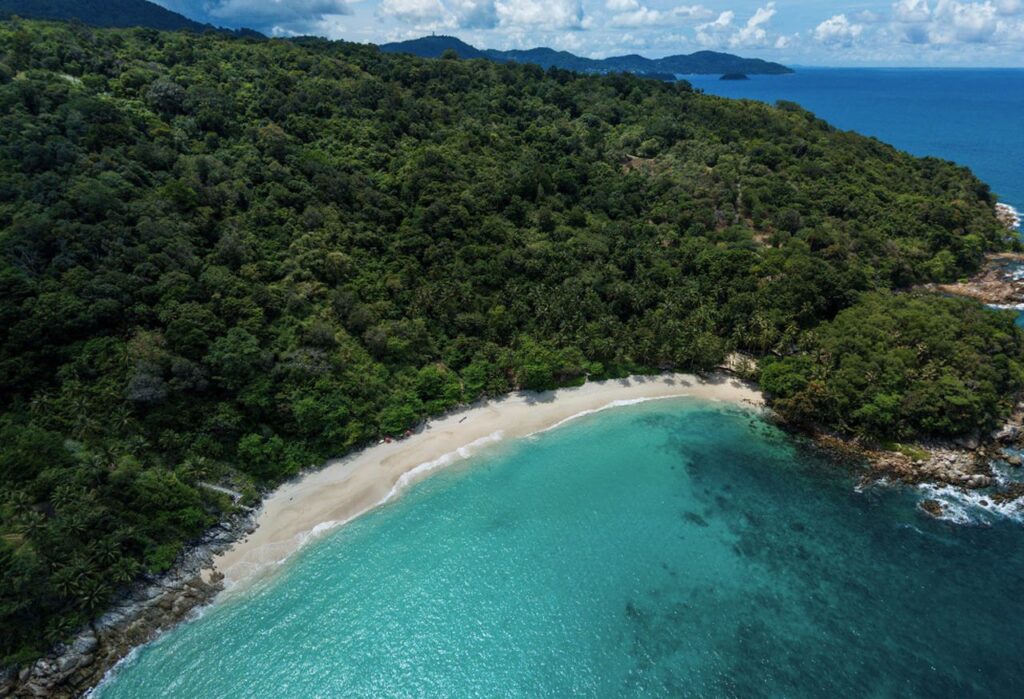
[
  {"x": 673, "y": 548},
  {"x": 974, "y": 117}
]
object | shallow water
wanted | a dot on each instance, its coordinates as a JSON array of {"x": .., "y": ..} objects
[{"x": 674, "y": 548}]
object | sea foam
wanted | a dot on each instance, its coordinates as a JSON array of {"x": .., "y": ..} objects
[
  {"x": 1012, "y": 214},
  {"x": 972, "y": 507}
]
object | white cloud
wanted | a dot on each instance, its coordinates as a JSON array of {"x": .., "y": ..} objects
[
  {"x": 911, "y": 10},
  {"x": 753, "y": 33},
  {"x": 867, "y": 17},
  {"x": 630, "y": 13},
  {"x": 692, "y": 13},
  {"x": 715, "y": 33},
  {"x": 838, "y": 30},
  {"x": 637, "y": 18},
  {"x": 1009, "y": 7},
  {"x": 473, "y": 14},
  {"x": 784, "y": 42},
  {"x": 622, "y": 5},
  {"x": 546, "y": 14},
  {"x": 969, "y": 22},
  {"x": 724, "y": 20},
  {"x": 264, "y": 11},
  {"x": 955, "y": 22},
  {"x": 418, "y": 12}
]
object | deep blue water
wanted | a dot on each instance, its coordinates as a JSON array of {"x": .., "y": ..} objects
[
  {"x": 973, "y": 117},
  {"x": 676, "y": 549}
]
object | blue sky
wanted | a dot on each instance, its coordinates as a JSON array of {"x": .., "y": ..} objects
[{"x": 809, "y": 32}]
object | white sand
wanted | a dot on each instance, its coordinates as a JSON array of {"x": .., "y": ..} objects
[{"x": 346, "y": 488}]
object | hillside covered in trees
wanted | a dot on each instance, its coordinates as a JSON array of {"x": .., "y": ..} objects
[
  {"x": 109, "y": 13},
  {"x": 103, "y": 13},
  {"x": 226, "y": 259}
]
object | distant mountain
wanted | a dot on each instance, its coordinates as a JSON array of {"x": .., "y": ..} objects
[
  {"x": 433, "y": 47},
  {"x": 706, "y": 62},
  {"x": 108, "y": 13}
]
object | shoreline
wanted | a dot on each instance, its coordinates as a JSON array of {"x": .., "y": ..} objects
[
  {"x": 343, "y": 489},
  {"x": 322, "y": 499},
  {"x": 250, "y": 545},
  {"x": 997, "y": 284}
]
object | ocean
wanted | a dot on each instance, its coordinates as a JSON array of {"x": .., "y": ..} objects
[
  {"x": 672, "y": 548},
  {"x": 974, "y": 117}
]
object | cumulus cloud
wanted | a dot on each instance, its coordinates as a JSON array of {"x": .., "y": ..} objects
[
  {"x": 418, "y": 12},
  {"x": 546, "y": 14},
  {"x": 473, "y": 14},
  {"x": 637, "y": 18},
  {"x": 752, "y": 34},
  {"x": 838, "y": 30},
  {"x": 692, "y": 12},
  {"x": 952, "y": 21},
  {"x": 268, "y": 11},
  {"x": 971, "y": 22},
  {"x": 713, "y": 33},
  {"x": 911, "y": 10}
]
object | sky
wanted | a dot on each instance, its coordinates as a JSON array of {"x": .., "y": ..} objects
[{"x": 968, "y": 33}]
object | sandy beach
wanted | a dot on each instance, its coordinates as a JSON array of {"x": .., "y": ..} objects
[{"x": 346, "y": 488}]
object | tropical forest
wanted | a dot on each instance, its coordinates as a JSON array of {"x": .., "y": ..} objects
[{"x": 225, "y": 259}]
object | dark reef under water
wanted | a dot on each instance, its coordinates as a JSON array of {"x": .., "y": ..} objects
[{"x": 674, "y": 548}]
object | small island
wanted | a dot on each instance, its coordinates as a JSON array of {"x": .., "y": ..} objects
[{"x": 734, "y": 76}]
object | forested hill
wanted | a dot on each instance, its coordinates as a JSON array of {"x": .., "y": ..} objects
[
  {"x": 106, "y": 13},
  {"x": 225, "y": 260},
  {"x": 701, "y": 62}
]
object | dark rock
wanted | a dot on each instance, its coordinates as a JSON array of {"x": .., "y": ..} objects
[
  {"x": 1009, "y": 494},
  {"x": 932, "y": 507},
  {"x": 67, "y": 663},
  {"x": 978, "y": 480},
  {"x": 970, "y": 442},
  {"x": 1007, "y": 434},
  {"x": 86, "y": 643}
]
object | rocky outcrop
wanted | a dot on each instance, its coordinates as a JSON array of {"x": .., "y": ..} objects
[
  {"x": 964, "y": 463},
  {"x": 150, "y": 607},
  {"x": 1008, "y": 216},
  {"x": 997, "y": 284},
  {"x": 949, "y": 465}
]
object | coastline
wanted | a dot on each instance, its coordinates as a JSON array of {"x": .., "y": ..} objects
[
  {"x": 344, "y": 489},
  {"x": 253, "y": 541},
  {"x": 252, "y": 544}
]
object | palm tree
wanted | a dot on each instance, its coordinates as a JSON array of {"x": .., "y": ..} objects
[
  {"x": 92, "y": 594},
  {"x": 31, "y": 522},
  {"x": 20, "y": 502},
  {"x": 125, "y": 570},
  {"x": 65, "y": 582},
  {"x": 105, "y": 551}
]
